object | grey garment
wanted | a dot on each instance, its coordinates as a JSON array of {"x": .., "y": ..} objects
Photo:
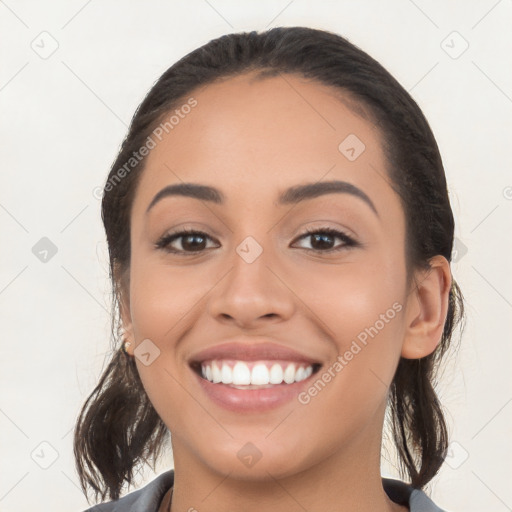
[{"x": 148, "y": 498}]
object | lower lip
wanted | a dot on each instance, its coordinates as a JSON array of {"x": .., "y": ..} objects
[{"x": 257, "y": 400}]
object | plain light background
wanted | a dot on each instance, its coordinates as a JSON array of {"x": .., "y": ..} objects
[{"x": 64, "y": 115}]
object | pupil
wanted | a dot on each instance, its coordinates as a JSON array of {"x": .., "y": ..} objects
[
  {"x": 322, "y": 238},
  {"x": 188, "y": 242}
]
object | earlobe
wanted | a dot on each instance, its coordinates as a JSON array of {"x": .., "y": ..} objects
[{"x": 426, "y": 311}]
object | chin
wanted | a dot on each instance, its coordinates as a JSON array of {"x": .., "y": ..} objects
[{"x": 253, "y": 461}]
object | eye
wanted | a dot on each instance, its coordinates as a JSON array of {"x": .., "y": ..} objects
[
  {"x": 323, "y": 238},
  {"x": 191, "y": 241}
]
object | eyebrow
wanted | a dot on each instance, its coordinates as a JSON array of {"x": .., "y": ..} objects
[{"x": 292, "y": 195}]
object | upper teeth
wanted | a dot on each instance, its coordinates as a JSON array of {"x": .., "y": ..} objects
[{"x": 262, "y": 373}]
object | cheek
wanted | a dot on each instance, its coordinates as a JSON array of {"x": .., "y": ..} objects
[
  {"x": 360, "y": 312},
  {"x": 165, "y": 303},
  {"x": 162, "y": 297},
  {"x": 349, "y": 298},
  {"x": 350, "y": 389}
]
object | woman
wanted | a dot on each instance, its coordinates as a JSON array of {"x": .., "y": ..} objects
[{"x": 280, "y": 238}]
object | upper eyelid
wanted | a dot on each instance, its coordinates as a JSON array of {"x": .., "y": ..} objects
[{"x": 320, "y": 224}]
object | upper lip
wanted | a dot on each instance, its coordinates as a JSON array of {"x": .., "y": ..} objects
[{"x": 250, "y": 351}]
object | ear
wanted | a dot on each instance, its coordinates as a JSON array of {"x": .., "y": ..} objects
[
  {"x": 123, "y": 285},
  {"x": 427, "y": 307}
]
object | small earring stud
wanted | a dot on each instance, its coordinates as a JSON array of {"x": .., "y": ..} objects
[{"x": 124, "y": 347}]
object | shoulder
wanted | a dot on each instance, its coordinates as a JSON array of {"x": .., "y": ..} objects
[
  {"x": 146, "y": 499},
  {"x": 404, "y": 494}
]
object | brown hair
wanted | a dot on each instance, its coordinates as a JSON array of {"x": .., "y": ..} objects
[{"x": 118, "y": 427}]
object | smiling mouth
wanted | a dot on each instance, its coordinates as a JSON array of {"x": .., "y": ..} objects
[{"x": 254, "y": 374}]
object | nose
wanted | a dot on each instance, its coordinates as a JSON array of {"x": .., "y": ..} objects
[{"x": 252, "y": 293}]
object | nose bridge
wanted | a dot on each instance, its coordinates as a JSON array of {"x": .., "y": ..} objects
[{"x": 251, "y": 289}]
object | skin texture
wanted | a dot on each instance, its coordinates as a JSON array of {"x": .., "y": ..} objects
[{"x": 252, "y": 140}]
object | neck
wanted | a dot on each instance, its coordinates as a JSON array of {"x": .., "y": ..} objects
[{"x": 347, "y": 480}]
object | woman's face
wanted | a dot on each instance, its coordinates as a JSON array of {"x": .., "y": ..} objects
[{"x": 254, "y": 276}]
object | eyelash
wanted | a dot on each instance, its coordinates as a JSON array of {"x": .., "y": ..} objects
[{"x": 166, "y": 240}]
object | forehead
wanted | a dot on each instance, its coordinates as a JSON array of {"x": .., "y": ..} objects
[{"x": 263, "y": 136}]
